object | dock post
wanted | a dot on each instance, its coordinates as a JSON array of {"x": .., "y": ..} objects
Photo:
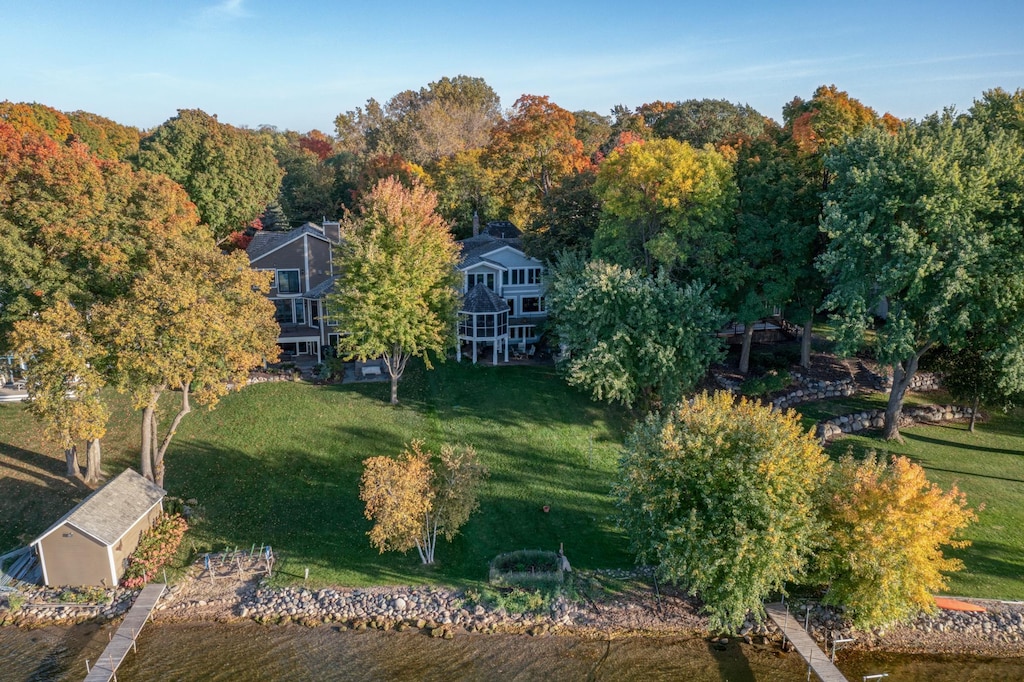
[{"x": 87, "y": 671}]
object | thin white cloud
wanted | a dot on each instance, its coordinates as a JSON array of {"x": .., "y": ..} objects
[{"x": 226, "y": 9}]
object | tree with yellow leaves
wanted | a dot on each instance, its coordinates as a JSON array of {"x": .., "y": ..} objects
[
  {"x": 63, "y": 382},
  {"x": 412, "y": 499},
  {"x": 887, "y": 525}
]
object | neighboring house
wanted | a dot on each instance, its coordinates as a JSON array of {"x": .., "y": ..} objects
[
  {"x": 90, "y": 545},
  {"x": 503, "y": 293},
  {"x": 301, "y": 260}
]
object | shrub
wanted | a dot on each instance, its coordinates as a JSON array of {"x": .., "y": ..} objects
[
  {"x": 520, "y": 600},
  {"x": 156, "y": 548},
  {"x": 533, "y": 568}
]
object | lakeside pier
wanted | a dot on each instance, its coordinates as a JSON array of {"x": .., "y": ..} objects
[
  {"x": 105, "y": 668},
  {"x": 805, "y": 645}
]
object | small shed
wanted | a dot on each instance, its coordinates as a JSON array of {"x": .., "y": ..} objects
[{"x": 90, "y": 545}]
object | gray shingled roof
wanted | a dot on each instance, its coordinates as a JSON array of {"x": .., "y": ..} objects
[
  {"x": 480, "y": 299},
  {"x": 264, "y": 241},
  {"x": 322, "y": 289},
  {"x": 503, "y": 229},
  {"x": 111, "y": 511},
  {"x": 474, "y": 248}
]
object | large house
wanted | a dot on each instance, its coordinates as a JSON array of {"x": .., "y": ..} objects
[
  {"x": 503, "y": 294},
  {"x": 301, "y": 260}
]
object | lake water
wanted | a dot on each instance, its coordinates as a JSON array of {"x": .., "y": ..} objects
[{"x": 245, "y": 651}]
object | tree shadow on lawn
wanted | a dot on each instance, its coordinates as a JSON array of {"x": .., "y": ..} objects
[
  {"x": 33, "y": 494},
  {"x": 916, "y": 436},
  {"x": 308, "y": 507},
  {"x": 985, "y": 562},
  {"x": 513, "y": 396}
]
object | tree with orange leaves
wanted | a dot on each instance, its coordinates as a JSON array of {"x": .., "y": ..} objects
[{"x": 532, "y": 150}]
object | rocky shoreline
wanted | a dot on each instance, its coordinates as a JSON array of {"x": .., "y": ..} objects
[{"x": 634, "y": 608}]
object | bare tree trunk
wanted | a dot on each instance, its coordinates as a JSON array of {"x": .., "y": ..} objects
[
  {"x": 71, "y": 455},
  {"x": 146, "y": 451},
  {"x": 974, "y": 413},
  {"x": 158, "y": 454},
  {"x": 805, "y": 343},
  {"x": 92, "y": 461},
  {"x": 748, "y": 339},
  {"x": 395, "y": 361},
  {"x": 902, "y": 374}
]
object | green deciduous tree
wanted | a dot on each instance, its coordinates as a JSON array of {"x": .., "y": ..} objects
[
  {"x": 666, "y": 207},
  {"x": 886, "y": 528},
  {"x": 708, "y": 121},
  {"x": 719, "y": 497},
  {"x": 631, "y": 338},
  {"x": 412, "y": 499},
  {"x": 570, "y": 214},
  {"x": 984, "y": 370},
  {"x": 465, "y": 187},
  {"x": 777, "y": 238},
  {"x": 927, "y": 220},
  {"x": 230, "y": 174},
  {"x": 396, "y": 297}
]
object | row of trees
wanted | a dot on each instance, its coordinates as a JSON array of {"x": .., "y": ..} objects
[{"x": 732, "y": 501}]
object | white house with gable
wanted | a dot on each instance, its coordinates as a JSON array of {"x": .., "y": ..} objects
[{"x": 503, "y": 295}]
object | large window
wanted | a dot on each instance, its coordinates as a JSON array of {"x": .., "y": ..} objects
[
  {"x": 532, "y": 304},
  {"x": 314, "y": 313},
  {"x": 283, "y": 310},
  {"x": 484, "y": 326},
  {"x": 288, "y": 281},
  {"x": 526, "y": 276},
  {"x": 487, "y": 279},
  {"x": 465, "y": 325}
]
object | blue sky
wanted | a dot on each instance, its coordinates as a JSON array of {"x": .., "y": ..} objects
[{"x": 298, "y": 64}]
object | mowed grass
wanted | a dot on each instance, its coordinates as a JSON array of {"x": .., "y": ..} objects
[
  {"x": 987, "y": 465},
  {"x": 280, "y": 463}
]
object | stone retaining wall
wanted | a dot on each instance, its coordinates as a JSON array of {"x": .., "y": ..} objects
[
  {"x": 875, "y": 419},
  {"x": 810, "y": 391}
]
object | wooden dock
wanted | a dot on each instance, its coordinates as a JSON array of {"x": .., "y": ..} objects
[
  {"x": 805, "y": 645},
  {"x": 123, "y": 641}
]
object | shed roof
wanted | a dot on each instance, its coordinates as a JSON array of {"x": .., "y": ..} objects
[{"x": 110, "y": 512}]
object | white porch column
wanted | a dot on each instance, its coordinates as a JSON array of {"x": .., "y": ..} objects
[
  {"x": 474, "y": 351},
  {"x": 505, "y": 341}
]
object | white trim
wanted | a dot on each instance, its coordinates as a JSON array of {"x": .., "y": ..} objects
[
  {"x": 42, "y": 561},
  {"x": 486, "y": 264},
  {"x": 508, "y": 247},
  {"x": 282, "y": 245},
  {"x": 113, "y": 567},
  {"x": 305, "y": 259}
]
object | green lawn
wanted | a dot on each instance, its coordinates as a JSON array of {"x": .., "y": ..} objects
[
  {"x": 280, "y": 464},
  {"x": 987, "y": 465}
]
